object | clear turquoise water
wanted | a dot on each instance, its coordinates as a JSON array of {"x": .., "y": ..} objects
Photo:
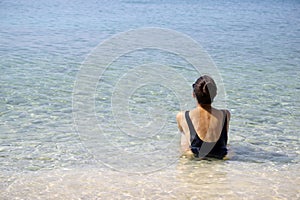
[{"x": 256, "y": 47}]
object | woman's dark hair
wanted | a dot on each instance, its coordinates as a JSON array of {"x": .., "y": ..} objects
[{"x": 205, "y": 89}]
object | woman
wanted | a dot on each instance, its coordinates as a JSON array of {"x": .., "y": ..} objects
[{"x": 205, "y": 128}]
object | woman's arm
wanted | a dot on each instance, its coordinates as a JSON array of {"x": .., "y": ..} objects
[
  {"x": 185, "y": 145},
  {"x": 228, "y": 119},
  {"x": 179, "y": 121}
]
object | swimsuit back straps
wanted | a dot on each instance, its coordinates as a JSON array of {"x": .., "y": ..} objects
[{"x": 193, "y": 133}]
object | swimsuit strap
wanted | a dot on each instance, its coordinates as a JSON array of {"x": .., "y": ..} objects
[
  {"x": 224, "y": 130},
  {"x": 225, "y": 120},
  {"x": 193, "y": 132}
]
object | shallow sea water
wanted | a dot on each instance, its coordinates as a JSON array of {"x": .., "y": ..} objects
[{"x": 254, "y": 44}]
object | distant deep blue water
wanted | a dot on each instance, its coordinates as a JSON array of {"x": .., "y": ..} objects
[{"x": 254, "y": 44}]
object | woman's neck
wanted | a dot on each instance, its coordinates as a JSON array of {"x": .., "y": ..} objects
[{"x": 204, "y": 106}]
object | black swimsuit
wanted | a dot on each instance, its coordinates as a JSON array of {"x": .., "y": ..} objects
[{"x": 203, "y": 149}]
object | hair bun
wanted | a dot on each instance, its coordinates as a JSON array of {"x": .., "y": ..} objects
[
  {"x": 205, "y": 89},
  {"x": 209, "y": 88}
]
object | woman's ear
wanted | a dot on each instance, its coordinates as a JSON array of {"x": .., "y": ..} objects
[{"x": 194, "y": 95}]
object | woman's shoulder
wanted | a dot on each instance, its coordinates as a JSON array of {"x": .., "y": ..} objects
[
  {"x": 221, "y": 113},
  {"x": 225, "y": 112},
  {"x": 180, "y": 115}
]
